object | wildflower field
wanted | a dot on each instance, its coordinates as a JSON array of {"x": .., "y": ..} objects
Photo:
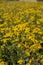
[{"x": 21, "y": 33}]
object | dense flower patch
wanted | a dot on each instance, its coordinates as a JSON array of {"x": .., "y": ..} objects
[{"x": 21, "y": 33}]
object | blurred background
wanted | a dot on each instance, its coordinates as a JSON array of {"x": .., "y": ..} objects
[{"x": 24, "y": 0}]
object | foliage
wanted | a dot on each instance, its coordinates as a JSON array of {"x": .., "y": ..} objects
[{"x": 40, "y": 0}]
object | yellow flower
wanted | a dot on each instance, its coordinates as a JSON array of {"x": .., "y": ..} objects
[
  {"x": 2, "y": 47},
  {"x": 35, "y": 30},
  {"x": 30, "y": 61},
  {"x": 20, "y": 61},
  {"x": 27, "y": 53},
  {"x": 19, "y": 45},
  {"x": 28, "y": 64},
  {"x": 32, "y": 18},
  {"x": 41, "y": 20},
  {"x": 40, "y": 32},
  {"x": 26, "y": 45},
  {"x": 35, "y": 47},
  {"x": 2, "y": 63},
  {"x": 27, "y": 29},
  {"x": 38, "y": 22}
]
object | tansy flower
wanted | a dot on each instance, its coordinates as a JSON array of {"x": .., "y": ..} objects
[
  {"x": 2, "y": 63},
  {"x": 28, "y": 64},
  {"x": 20, "y": 61},
  {"x": 19, "y": 46}
]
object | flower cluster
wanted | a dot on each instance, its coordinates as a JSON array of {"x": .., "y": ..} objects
[{"x": 21, "y": 33}]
